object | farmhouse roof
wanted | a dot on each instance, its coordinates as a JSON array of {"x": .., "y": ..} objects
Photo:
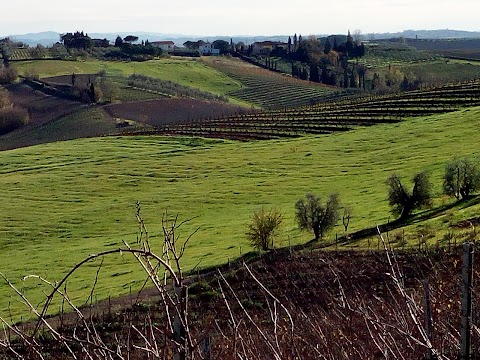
[
  {"x": 269, "y": 43},
  {"x": 162, "y": 43}
]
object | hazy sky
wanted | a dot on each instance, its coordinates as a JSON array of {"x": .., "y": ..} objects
[{"x": 235, "y": 17}]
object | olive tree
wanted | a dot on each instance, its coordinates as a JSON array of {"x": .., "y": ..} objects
[
  {"x": 461, "y": 178},
  {"x": 404, "y": 202},
  {"x": 313, "y": 215},
  {"x": 263, "y": 228}
]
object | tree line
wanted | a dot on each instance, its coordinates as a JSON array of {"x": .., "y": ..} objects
[
  {"x": 461, "y": 180},
  {"x": 123, "y": 48}
]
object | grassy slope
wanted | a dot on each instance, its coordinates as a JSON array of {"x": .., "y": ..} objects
[
  {"x": 60, "y": 202},
  {"x": 185, "y": 71}
]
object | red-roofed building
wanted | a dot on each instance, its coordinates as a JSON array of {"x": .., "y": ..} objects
[{"x": 265, "y": 47}]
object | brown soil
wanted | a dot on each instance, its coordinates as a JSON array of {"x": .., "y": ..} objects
[
  {"x": 42, "y": 108},
  {"x": 171, "y": 111},
  {"x": 80, "y": 79},
  {"x": 341, "y": 304}
]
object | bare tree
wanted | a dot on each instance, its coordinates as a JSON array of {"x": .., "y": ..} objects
[
  {"x": 163, "y": 271},
  {"x": 461, "y": 178},
  {"x": 347, "y": 214}
]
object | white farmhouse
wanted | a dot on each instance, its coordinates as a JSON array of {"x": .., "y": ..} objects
[
  {"x": 164, "y": 45},
  {"x": 208, "y": 49}
]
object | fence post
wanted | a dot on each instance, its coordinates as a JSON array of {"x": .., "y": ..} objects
[
  {"x": 428, "y": 316},
  {"x": 179, "y": 332},
  {"x": 206, "y": 348},
  {"x": 466, "y": 312}
]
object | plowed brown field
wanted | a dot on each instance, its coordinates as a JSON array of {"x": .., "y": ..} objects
[{"x": 171, "y": 111}]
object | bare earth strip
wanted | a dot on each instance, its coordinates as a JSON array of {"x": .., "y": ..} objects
[{"x": 171, "y": 111}]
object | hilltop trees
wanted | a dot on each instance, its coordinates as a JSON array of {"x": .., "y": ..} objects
[
  {"x": 193, "y": 45},
  {"x": 118, "y": 41},
  {"x": 222, "y": 45},
  {"x": 130, "y": 39},
  {"x": 77, "y": 40},
  {"x": 314, "y": 73},
  {"x": 328, "y": 47},
  {"x": 461, "y": 179},
  {"x": 314, "y": 216},
  {"x": 404, "y": 202},
  {"x": 330, "y": 54}
]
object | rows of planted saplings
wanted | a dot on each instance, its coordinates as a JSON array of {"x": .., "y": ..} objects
[
  {"x": 449, "y": 94},
  {"x": 273, "y": 91},
  {"x": 259, "y": 130},
  {"x": 229, "y": 133},
  {"x": 285, "y": 125},
  {"x": 277, "y": 100},
  {"x": 338, "y": 120},
  {"x": 285, "y": 95},
  {"x": 255, "y": 75},
  {"x": 277, "y": 91},
  {"x": 21, "y": 54},
  {"x": 334, "y": 116}
]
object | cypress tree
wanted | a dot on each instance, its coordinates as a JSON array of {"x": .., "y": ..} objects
[
  {"x": 314, "y": 74},
  {"x": 328, "y": 47}
]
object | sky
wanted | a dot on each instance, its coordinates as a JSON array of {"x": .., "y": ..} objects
[{"x": 237, "y": 17}]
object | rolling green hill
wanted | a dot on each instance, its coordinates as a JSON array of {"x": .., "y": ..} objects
[
  {"x": 185, "y": 71},
  {"x": 61, "y": 202}
]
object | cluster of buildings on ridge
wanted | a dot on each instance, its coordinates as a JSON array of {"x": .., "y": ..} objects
[
  {"x": 258, "y": 48},
  {"x": 169, "y": 46}
]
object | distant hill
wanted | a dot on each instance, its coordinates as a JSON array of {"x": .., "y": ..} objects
[
  {"x": 48, "y": 38},
  {"x": 425, "y": 34}
]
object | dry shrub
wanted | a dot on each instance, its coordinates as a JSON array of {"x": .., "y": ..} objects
[
  {"x": 12, "y": 118},
  {"x": 8, "y": 75},
  {"x": 4, "y": 98},
  {"x": 263, "y": 227},
  {"x": 31, "y": 74}
]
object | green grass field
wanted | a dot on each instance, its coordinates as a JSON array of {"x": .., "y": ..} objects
[
  {"x": 429, "y": 72},
  {"x": 61, "y": 202},
  {"x": 185, "y": 71}
]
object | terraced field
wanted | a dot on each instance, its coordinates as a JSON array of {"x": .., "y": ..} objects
[
  {"x": 334, "y": 116},
  {"x": 267, "y": 89}
]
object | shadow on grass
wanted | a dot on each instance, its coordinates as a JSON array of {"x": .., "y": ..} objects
[
  {"x": 414, "y": 219},
  {"x": 253, "y": 256}
]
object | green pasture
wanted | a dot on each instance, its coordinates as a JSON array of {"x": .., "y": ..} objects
[
  {"x": 443, "y": 71},
  {"x": 62, "y": 201},
  {"x": 429, "y": 72},
  {"x": 185, "y": 71}
]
